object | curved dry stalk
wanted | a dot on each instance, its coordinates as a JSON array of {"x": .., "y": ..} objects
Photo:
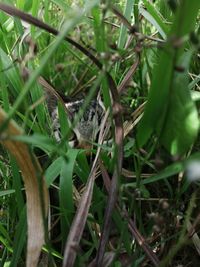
[
  {"x": 136, "y": 117},
  {"x": 121, "y": 17},
  {"x": 79, "y": 221},
  {"x": 128, "y": 76},
  {"x": 113, "y": 190},
  {"x": 31, "y": 174}
]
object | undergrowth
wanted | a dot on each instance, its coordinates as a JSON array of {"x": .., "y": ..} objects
[{"x": 132, "y": 199}]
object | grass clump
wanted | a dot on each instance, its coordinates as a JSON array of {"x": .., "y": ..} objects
[{"x": 132, "y": 198}]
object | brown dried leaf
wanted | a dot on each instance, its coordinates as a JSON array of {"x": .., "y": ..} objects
[{"x": 30, "y": 172}]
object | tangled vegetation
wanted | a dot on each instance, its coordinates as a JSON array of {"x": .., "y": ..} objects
[{"x": 130, "y": 197}]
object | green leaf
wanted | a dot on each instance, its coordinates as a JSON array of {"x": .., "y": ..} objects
[
  {"x": 154, "y": 17},
  {"x": 66, "y": 175},
  {"x": 64, "y": 123},
  {"x": 20, "y": 239},
  {"x": 6, "y": 192},
  {"x": 123, "y": 29},
  {"x": 182, "y": 123},
  {"x": 62, "y": 4},
  {"x": 53, "y": 171},
  {"x": 166, "y": 173},
  {"x": 43, "y": 142},
  {"x": 11, "y": 73},
  {"x": 123, "y": 35},
  {"x": 37, "y": 94},
  {"x": 17, "y": 185},
  {"x": 98, "y": 30},
  {"x": 157, "y": 99},
  {"x": 20, "y": 4},
  {"x": 66, "y": 27},
  {"x": 165, "y": 80},
  {"x": 194, "y": 82},
  {"x": 5, "y": 238},
  {"x": 66, "y": 191}
]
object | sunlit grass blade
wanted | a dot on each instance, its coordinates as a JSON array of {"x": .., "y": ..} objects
[{"x": 154, "y": 17}]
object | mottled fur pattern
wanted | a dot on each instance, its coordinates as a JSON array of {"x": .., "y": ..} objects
[{"x": 87, "y": 126}]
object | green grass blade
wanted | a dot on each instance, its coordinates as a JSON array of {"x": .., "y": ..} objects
[
  {"x": 17, "y": 185},
  {"x": 53, "y": 171},
  {"x": 123, "y": 29},
  {"x": 162, "y": 87},
  {"x": 6, "y": 192},
  {"x": 20, "y": 239},
  {"x": 66, "y": 191},
  {"x": 154, "y": 17},
  {"x": 182, "y": 122}
]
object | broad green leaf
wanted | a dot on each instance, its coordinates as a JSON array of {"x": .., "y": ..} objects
[
  {"x": 66, "y": 191},
  {"x": 98, "y": 30},
  {"x": 66, "y": 174},
  {"x": 182, "y": 123},
  {"x": 64, "y": 123},
  {"x": 164, "y": 79},
  {"x": 53, "y": 171},
  {"x": 157, "y": 99}
]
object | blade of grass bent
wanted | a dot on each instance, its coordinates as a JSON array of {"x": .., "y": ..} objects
[
  {"x": 118, "y": 158},
  {"x": 30, "y": 174}
]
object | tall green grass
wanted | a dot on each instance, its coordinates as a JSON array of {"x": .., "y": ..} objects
[{"x": 157, "y": 206}]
